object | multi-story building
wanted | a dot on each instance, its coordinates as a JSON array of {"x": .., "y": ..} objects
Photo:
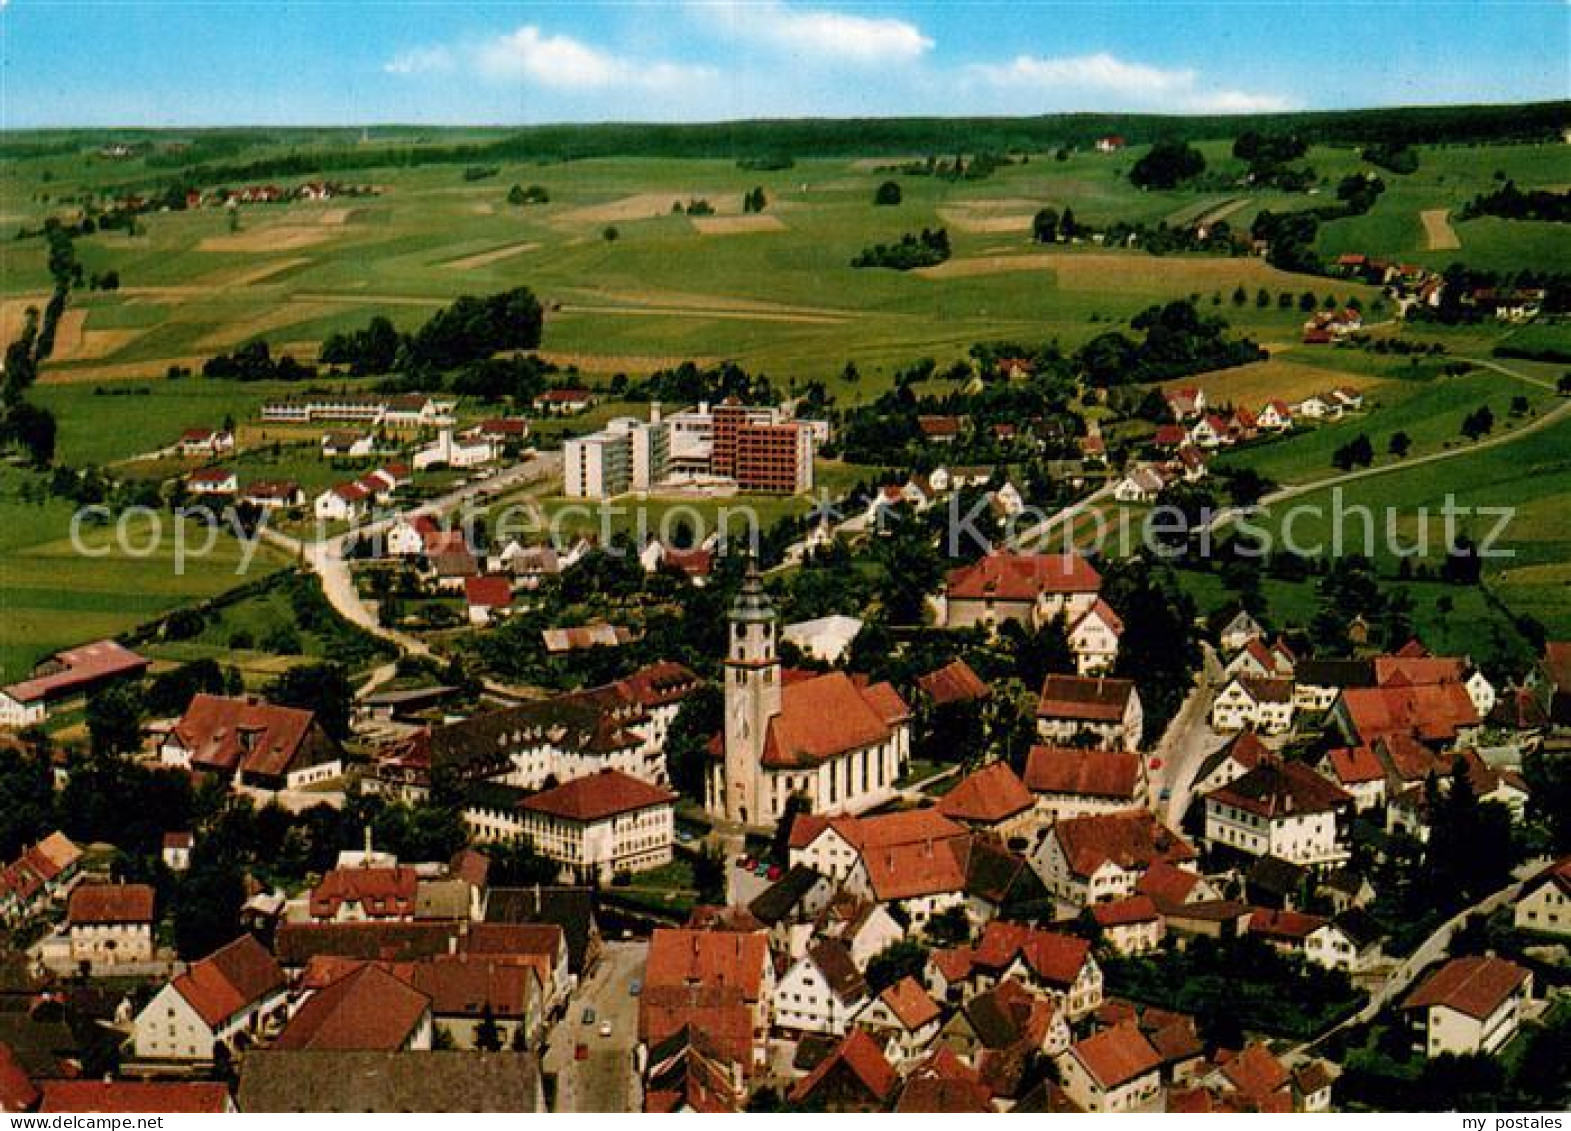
[
  {"x": 626, "y": 455},
  {"x": 231, "y": 992},
  {"x": 1281, "y": 809},
  {"x": 111, "y": 924},
  {"x": 601, "y": 825},
  {"x": 1469, "y": 1005}
]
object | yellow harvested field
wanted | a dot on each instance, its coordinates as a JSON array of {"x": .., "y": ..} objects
[
  {"x": 688, "y": 300},
  {"x": 1276, "y": 378},
  {"x": 984, "y": 222},
  {"x": 68, "y": 334},
  {"x": 335, "y": 217},
  {"x": 646, "y": 206},
  {"x": 1108, "y": 271},
  {"x": 737, "y": 225},
  {"x": 13, "y": 314},
  {"x": 119, "y": 371},
  {"x": 283, "y": 238},
  {"x": 621, "y": 363},
  {"x": 1437, "y": 227},
  {"x": 486, "y": 258},
  {"x": 699, "y": 312}
]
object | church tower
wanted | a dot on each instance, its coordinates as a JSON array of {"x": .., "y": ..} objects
[{"x": 752, "y": 699}]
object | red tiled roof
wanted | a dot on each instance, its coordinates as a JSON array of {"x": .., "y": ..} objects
[
  {"x": 720, "y": 1013},
  {"x": 466, "y": 985},
  {"x": 384, "y": 893},
  {"x": 1284, "y": 926},
  {"x": 1083, "y": 773},
  {"x": 224, "y": 735},
  {"x": 1054, "y": 957},
  {"x": 230, "y": 980},
  {"x": 1428, "y": 710},
  {"x": 1276, "y": 789},
  {"x": 1356, "y": 764},
  {"x": 681, "y": 957},
  {"x": 1401, "y": 668},
  {"x": 989, "y": 795},
  {"x": 1476, "y": 985},
  {"x": 491, "y": 592},
  {"x": 1167, "y": 883},
  {"x": 565, "y": 396},
  {"x": 1009, "y": 576},
  {"x": 114, "y": 1097},
  {"x": 909, "y": 1003},
  {"x": 1091, "y": 698},
  {"x": 597, "y": 797},
  {"x": 1116, "y": 1056},
  {"x": 209, "y": 475},
  {"x": 82, "y": 667},
  {"x": 17, "y": 1092},
  {"x": 1124, "y": 912},
  {"x": 1256, "y": 1072},
  {"x": 905, "y": 871},
  {"x": 859, "y": 1053},
  {"x": 367, "y": 1010},
  {"x": 1558, "y": 873},
  {"x": 1132, "y": 840},
  {"x": 829, "y": 715},
  {"x": 111, "y": 903},
  {"x": 955, "y": 682}
]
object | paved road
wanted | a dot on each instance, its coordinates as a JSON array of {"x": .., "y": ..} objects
[
  {"x": 1186, "y": 743},
  {"x": 325, "y": 558},
  {"x": 1430, "y": 951},
  {"x": 608, "y": 1080},
  {"x": 1285, "y": 494}
]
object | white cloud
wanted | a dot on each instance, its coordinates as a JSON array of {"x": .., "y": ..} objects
[
  {"x": 420, "y": 61},
  {"x": 558, "y": 62},
  {"x": 1104, "y": 76},
  {"x": 818, "y": 32}
]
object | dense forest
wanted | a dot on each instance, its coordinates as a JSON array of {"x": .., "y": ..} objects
[{"x": 219, "y": 156}]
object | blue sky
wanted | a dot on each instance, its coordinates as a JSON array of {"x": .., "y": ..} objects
[{"x": 216, "y": 62}]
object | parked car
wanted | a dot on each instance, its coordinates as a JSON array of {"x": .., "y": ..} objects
[
  {"x": 605, "y": 1028},
  {"x": 636, "y": 987},
  {"x": 589, "y": 1016},
  {"x": 774, "y": 872}
]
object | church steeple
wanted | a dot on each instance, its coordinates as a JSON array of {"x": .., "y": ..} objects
[{"x": 752, "y": 699}]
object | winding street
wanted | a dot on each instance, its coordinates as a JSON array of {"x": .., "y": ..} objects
[
  {"x": 1538, "y": 424},
  {"x": 325, "y": 557}
]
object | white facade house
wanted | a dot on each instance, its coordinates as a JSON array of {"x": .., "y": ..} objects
[
  {"x": 1469, "y": 1005},
  {"x": 626, "y": 455},
  {"x": 821, "y": 992},
  {"x": 226, "y": 995},
  {"x": 1544, "y": 905},
  {"x": 601, "y": 825},
  {"x": 1259, "y": 703},
  {"x": 467, "y": 452},
  {"x": 1281, "y": 809},
  {"x": 1115, "y": 1070},
  {"x": 1093, "y": 638}
]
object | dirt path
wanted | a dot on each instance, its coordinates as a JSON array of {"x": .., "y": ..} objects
[{"x": 1437, "y": 227}]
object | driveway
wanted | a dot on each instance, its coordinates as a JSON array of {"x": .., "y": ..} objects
[{"x": 608, "y": 1080}]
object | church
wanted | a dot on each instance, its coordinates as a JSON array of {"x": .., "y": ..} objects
[{"x": 837, "y": 740}]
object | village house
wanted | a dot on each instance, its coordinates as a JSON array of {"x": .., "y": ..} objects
[
  {"x": 1105, "y": 708},
  {"x": 821, "y": 991},
  {"x": 1543, "y": 906},
  {"x": 905, "y": 1019},
  {"x": 1275, "y": 416},
  {"x": 365, "y": 894},
  {"x": 110, "y": 925},
  {"x": 253, "y": 744},
  {"x": 446, "y": 451},
  {"x": 1469, "y": 1005},
  {"x": 65, "y": 679},
  {"x": 1282, "y": 809},
  {"x": 1071, "y": 781},
  {"x": 1140, "y": 485},
  {"x": 1235, "y": 758},
  {"x": 855, "y": 1076},
  {"x": 601, "y": 825},
  {"x": 1131, "y": 925},
  {"x": 1238, "y": 632},
  {"x": 992, "y": 799},
  {"x": 1100, "y": 858},
  {"x": 347, "y": 502},
  {"x": 40, "y": 875},
  {"x": 222, "y": 1001},
  {"x": 488, "y": 598},
  {"x": 719, "y": 981},
  {"x": 212, "y": 481},
  {"x": 348, "y": 444},
  {"x": 273, "y": 495},
  {"x": 1093, "y": 638},
  {"x": 1262, "y": 704},
  {"x": 1030, "y": 589},
  {"x": 834, "y": 846},
  {"x": 1115, "y": 1070},
  {"x": 207, "y": 442},
  {"x": 356, "y": 1006},
  {"x": 176, "y": 851},
  {"x": 1186, "y": 403},
  {"x": 564, "y": 402}
]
